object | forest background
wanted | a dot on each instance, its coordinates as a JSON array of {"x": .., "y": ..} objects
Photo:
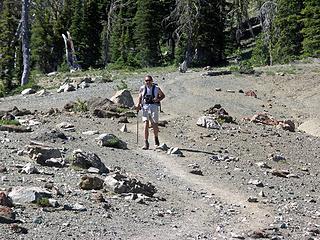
[{"x": 132, "y": 34}]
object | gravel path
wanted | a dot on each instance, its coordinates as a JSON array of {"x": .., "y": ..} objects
[{"x": 224, "y": 203}]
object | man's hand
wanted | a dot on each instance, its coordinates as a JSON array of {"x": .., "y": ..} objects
[{"x": 138, "y": 107}]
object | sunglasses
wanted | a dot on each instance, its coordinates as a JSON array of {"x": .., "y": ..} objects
[{"x": 148, "y": 80}]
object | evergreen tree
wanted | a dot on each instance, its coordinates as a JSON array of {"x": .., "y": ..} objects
[
  {"x": 286, "y": 40},
  {"x": 122, "y": 44},
  {"x": 311, "y": 28},
  {"x": 42, "y": 40},
  {"x": 147, "y": 27},
  {"x": 77, "y": 29},
  {"x": 92, "y": 27},
  {"x": 60, "y": 26},
  {"x": 210, "y": 36},
  {"x": 8, "y": 42}
]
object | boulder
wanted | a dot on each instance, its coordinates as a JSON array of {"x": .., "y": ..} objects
[
  {"x": 40, "y": 152},
  {"x": 208, "y": 122},
  {"x": 28, "y": 91},
  {"x": 87, "y": 160},
  {"x": 7, "y": 215},
  {"x": 119, "y": 183},
  {"x": 90, "y": 183},
  {"x": 5, "y": 200},
  {"x": 110, "y": 140},
  {"x": 123, "y": 98},
  {"x": 23, "y": 195}
]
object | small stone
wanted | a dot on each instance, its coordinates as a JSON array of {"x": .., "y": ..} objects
[{"x": 252, "y": 199}]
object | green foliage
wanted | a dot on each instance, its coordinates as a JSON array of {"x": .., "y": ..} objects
[
  {"x": 244, "y": 67},
  {"x": 114, "y": 142},
  {"x": 146, "y": 34},
  {"x": 80, "y": 106},
  {"x": 42, "y": 42},
  {"x": 31, "y": 84},
  {"x": 210, "y": 47},
  {"x": 260, "y": 54},
  {"x": 122, "y": 85},
  {"x": 9, "y": 19},
  {"x": 43, "y": 202},
  {"x": 122, "y": 44},
  {"x": 3, "y": 89},
  {"x": 286, "y": 40},
  {"x": 311, "y": 28},
  {"x": 9, "y": 122},
  {"x": 121, "y": 110}
]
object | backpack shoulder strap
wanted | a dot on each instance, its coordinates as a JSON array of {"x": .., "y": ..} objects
[
  {"x": 153, "y": 90},
  {"x": 145, "y": 91}
]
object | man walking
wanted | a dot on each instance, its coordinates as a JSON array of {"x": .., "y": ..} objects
[{"x": 149, "y": 99}]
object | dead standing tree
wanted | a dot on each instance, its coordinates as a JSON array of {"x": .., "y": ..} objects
[
  {"x": 112, "y": 11},
  {"x": 267, "y": 13},
  {"x": 185, "y": 16},
  {"x": 70, "y": 52},
  {"x": 25, "y": 42}
]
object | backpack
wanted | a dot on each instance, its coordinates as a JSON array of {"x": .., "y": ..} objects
[{"x": 149, "y": 98}]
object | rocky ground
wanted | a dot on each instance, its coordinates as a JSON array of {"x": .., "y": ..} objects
[{"x": 252, "y": 178}]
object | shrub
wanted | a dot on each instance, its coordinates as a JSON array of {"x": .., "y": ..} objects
[
  {"x": 122, "y": 85},
  {"x": 260, "y": 55},
  {"x": 43, "y": 202},
  {"x": 80, "y": 106},
  {"x": 9, "y": 122}
]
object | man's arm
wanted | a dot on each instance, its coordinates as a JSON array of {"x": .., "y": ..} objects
[
  {"x": 160, "y": 96},
  {"x": 139, "y": 100}
]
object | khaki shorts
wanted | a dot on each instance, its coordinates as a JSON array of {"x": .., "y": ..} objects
[{"x": 150, "y": 112}]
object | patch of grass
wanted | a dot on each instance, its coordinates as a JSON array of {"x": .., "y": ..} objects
[
  {"x": 43, "y": 202},
  {"x": 80, "y": 106},
  {"x": 121, "y": 110},
  {"x": 270, "y": 73},
  {"x": 122, "y": 85},
  {"x": 9, "y": 122},
  {"x": 31, "y": 84}
]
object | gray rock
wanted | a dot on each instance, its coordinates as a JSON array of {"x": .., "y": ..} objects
[
  {"x": 124, "y": 98},
  {"x": 90, "y": 183},
  {"x": 29, "y": 168},
  {"x": 23, "y": 195},
  {"x": 208, "y": 122},
  {"x": 110, "y": 140},
  {"x": 86, "y": 160},
  {"x": 28, "y": 91},
  {"x": 40, "y": 152}
]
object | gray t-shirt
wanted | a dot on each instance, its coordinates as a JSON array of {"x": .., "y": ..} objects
[{"x": 146, "y": 92}]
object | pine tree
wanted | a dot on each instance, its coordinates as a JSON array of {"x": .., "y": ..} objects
[
  {"x": 77, "y": 29},
  {"x": 122, "y": 44},
  {"x": 286, "y": 40},
  {"x": 311, "y": 28},
  {"x": 147, "y": 27},
  {"x": 60, "y": 26},
  {"x": 42, "y": 40},
  {"x": 209, "y": 46},
  {"x": 8, "y": 42},
  {"x": 92, "y": 27}
]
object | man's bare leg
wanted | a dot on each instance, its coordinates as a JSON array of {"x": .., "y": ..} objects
[{"x": 146, "y": 135}]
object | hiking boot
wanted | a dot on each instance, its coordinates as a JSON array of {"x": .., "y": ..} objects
[
  {"x": 156, "y": 141},
  {"x": 146, "y": 145}
]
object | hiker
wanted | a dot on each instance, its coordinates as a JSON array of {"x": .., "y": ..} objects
[{"x": 149, "y": 99}]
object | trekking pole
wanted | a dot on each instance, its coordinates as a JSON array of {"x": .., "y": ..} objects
[{"x": 137, "y": 127}]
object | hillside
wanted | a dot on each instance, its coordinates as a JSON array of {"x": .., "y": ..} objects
[{"x": 245, "y": 180}]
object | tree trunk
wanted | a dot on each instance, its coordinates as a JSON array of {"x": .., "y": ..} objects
[{"x": 25, "y": 42}]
